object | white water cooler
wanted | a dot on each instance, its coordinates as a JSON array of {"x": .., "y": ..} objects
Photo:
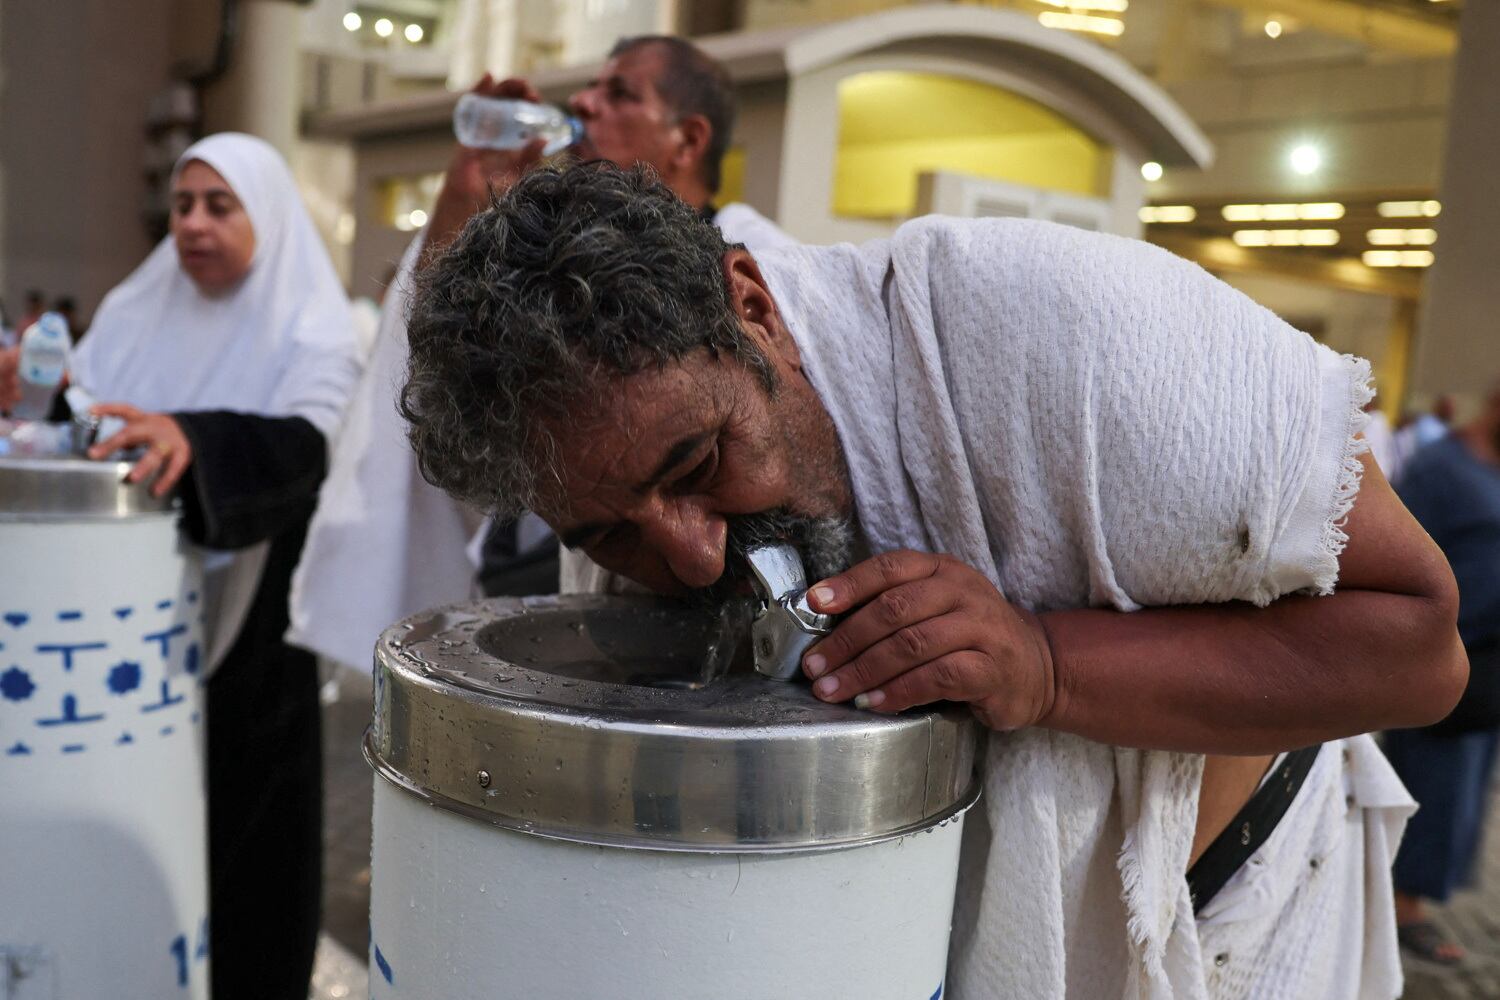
[
  {"x": 103, "y": 850},
  {"x": 567, "y": 808}
]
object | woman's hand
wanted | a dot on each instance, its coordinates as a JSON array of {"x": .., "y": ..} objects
[
  {"x": 473, "y": 173},
  {"x": 10, "y": 378},
  {"x": 927, "y": 628},
  {"x": 168, "y": 453}
]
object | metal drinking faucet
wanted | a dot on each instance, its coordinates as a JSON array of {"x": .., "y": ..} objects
[{"x": 785, "y": 625}]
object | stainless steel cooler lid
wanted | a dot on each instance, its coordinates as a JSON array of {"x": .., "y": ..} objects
[
  {"x": 589, "y": 719},
  {"x": 73, "y": 488}
]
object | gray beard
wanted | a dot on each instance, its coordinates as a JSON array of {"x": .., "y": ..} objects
[{"x": 826, "y": 545}]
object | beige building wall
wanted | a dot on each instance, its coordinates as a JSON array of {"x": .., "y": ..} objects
[
  {"x": 1381, "y": 126},
  {"x": 77, "y": 76},
  {"x": 1458, "y": 350}
]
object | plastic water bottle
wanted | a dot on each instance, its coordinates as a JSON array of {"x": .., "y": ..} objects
[
  {"x": 501, "y": 123},
  {"x": 45, "y": 347}
]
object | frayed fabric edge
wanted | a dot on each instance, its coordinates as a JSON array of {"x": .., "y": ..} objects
[
  {"x": 1158, "y": 797},
  {"x": 1351, "y": 470},
  {"x": 1149, "y": 945}
]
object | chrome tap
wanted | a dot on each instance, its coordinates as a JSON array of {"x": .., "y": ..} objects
[{"x": 785, "y": 624}]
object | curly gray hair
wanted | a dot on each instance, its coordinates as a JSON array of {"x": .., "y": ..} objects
[{"x": 578, "y": 272}]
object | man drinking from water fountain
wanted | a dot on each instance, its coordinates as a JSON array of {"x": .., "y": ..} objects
[{"x": 1066, "y": 478}]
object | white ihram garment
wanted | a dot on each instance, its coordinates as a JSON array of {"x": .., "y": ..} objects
[
  {"x": 384, "y": 543},
  {"x": 1092, "y": 422},
  {"x": 279, "y": 344}
]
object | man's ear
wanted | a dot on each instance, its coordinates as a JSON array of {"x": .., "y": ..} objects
[
  {"x": 756, "y": 310},
  {"x": 694, "y": 134}
]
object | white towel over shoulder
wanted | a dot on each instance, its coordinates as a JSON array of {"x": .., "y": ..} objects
[{"x": 1089, "y": 421}]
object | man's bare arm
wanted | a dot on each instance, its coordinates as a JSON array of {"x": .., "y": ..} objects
[
  {"x": 1381, "y": 652},
  {"x": 1219, "y": 679},
  {"x": 474, "y": 173}
]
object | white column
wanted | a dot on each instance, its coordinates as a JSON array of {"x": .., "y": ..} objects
[
  {"x": 260, "y": 92},
  {"x": 1458, "y": 342}
]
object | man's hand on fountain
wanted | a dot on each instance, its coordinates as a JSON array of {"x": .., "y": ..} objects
[{"x": 920, "y": 628}]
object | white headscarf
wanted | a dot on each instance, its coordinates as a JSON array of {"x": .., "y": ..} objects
[{"x": 279, "y": 344}]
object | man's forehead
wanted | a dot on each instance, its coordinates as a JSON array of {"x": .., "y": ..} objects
[
  {"x": 641, "y": 66},
  {"x": 614, "y": 433}
]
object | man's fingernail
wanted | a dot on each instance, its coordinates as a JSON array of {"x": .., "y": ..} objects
[
  {"x": 822, "y": 594},
  {"x": 826, "y": 686},
  {"x": 816, "y": 663}
]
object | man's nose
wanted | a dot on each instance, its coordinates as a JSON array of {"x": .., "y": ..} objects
[
  {"x": 582, "y": 104},
  {"x": 690, "y": 540}
]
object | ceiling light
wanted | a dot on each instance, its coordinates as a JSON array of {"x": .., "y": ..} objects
[
  {"x": 1111, "y": 6},
  {"x": 1151, "y": 170},
  {"x": 1320, "y": 210},
  {"x": 1399, "y": 209},
  {"x": 417, "y": 218},
  {"x": 1081, "y": 22},
  {"x": 1273, "y": 28},
  {"x": 1283, "y": 212},
  {"x": 413, "y": 33},
  {"x": 1397, "y": 258},
  {"x": 1168, "y": 213},
  {"x": 1408, "y": 209},
  {"x": 352, "y": 21},
  {"x": 1401, "y": 237},
  {"x": 384, "y": 27},
  {"x": 1286, "y": 237},
  {"x": 1305, "y": 159}
]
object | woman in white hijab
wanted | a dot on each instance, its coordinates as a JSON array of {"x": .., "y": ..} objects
[{"x": 230, "y": 354}]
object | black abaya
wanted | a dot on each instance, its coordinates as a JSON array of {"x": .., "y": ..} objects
[{"x": 256, "y": 479}]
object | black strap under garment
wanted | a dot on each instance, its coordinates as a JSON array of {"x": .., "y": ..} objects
[{"x": 1250, "y": 827}]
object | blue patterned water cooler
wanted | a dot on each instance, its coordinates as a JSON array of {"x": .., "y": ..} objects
[{"x": 103, "y": 848}]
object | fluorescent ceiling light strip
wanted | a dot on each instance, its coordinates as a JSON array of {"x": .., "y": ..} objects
[
  {"x": 1409, "y": 209},
  {"x": 1081, "y": 22},
  {"x": 1109, "y": 6},
  {"x": 1286, "y": 237},
  {"x": 1320, "y": 210},
  {"x": 1168, "y": 213}
]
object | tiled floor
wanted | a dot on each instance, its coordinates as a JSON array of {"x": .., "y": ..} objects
[
  {"x": 1474, "y": 918},
  {"x": 346, "y": 811}
]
